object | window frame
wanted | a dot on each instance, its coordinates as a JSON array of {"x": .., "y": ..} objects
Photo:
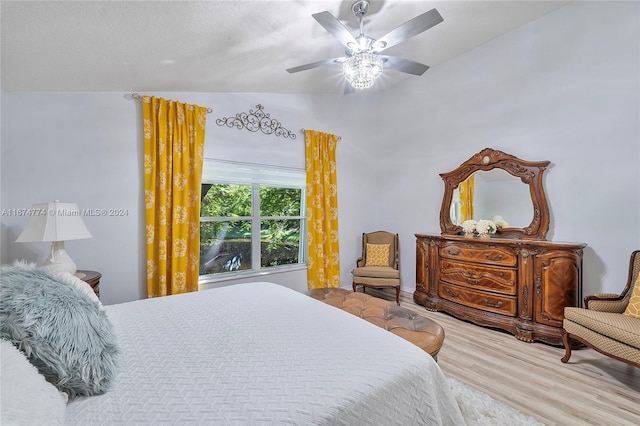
[{"x": 219, "y": 172}]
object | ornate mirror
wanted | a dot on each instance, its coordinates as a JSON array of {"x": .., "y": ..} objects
[{"x": 496, "y": 184}]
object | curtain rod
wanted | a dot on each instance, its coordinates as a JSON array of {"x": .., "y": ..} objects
[
  {"x": 247, "y": 164},
  {"x": 305, "y": 130},
  {"x": 139, "y": 96}
]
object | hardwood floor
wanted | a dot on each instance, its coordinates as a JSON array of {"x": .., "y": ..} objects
[{"x": 591, "y": 389}]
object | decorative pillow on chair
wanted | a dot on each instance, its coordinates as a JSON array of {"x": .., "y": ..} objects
[
  {"x": 377, "y": 255},
  {"x": 63, "y": 333},
  {"x": 633, "y": 308}
]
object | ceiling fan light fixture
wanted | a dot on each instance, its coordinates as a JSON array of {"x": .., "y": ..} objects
[{"x": 362, "y": 69}]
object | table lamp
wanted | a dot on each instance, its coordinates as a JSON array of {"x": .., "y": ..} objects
[{"x": 56, "y": 222}]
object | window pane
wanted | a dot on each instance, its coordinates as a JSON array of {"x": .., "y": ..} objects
[
  {"x": 279, "y": 242},
  {"x": 225, "y": 246},
  {"x": 225, "y": 200},
  {"x": 280, "y": 201}
]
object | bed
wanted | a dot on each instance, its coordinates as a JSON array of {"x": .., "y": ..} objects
[{"x": 260, "y": 353}]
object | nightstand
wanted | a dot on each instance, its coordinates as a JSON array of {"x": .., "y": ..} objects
[{"x": 92, "y": 278}]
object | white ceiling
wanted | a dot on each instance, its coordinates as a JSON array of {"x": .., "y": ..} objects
[{"x": 224, "y": 46}]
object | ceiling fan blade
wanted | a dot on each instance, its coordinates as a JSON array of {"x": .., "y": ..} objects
[
  {"x": 410, "y": 28},
  {"x": 316, "y": 64},
  {"x": 335, "y": 27},
  {"x": 404, "y": 65}
]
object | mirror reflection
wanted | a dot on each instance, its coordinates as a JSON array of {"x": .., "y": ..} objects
[{"x": 490, "y": 194}]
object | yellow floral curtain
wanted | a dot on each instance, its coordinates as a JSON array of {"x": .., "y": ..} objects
[
  {"x": 173, "y": 152},
  {"x": 323, "y": 260},
  {"x": 466, "y": 199}
]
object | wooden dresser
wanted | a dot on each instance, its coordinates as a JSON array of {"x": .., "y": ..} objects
[
  {"x": 516, "y": 280},
  {"x": 517, "y": 285}
]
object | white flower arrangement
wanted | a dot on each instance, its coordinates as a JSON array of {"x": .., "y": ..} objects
[
  {"x": 500, "y": 222},
  {"x": 485, "y": 226},
  {"x": 469, "y": 226}
]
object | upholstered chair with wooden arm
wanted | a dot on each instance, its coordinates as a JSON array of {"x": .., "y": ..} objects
[
  {"x": 606, "y": 324},
  {"x": 378, "y": 267}
]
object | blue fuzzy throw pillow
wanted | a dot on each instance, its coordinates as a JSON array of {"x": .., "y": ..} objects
[{"x": 64, "y": 334}]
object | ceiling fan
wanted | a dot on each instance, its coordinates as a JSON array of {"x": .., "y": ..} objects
[{"x": 363, "y": 63}]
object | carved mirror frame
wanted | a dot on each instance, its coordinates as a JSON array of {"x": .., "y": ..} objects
[{"x": 529, "y": 172}]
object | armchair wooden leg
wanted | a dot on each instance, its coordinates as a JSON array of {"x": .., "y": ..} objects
[
  {"x": 355, "y": 287},
  {"x": 566, "y": 340},
  {"x": 398, "y": 295}
]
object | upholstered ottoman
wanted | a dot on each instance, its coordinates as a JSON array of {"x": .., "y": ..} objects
[{"x": 422, "y": 332}]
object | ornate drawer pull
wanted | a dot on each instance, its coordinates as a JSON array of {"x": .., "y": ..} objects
[
  {"x": 493, "y": 305},
  {"x": 471, "y": 281},
  {"x": 453, "y": 253},
  {"x": 451, "y": 293},
  {"x": 498, "y": 257}
]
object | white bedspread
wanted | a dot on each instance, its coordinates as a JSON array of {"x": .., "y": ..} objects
[{"x": 260, "y": 353}]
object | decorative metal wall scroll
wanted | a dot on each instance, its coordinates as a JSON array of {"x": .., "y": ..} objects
[{"x": 256, "y": 120}]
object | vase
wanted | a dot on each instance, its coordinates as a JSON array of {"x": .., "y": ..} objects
[
  {"x": 484, "y": 236},
  {"x": 469, "y": 235}
]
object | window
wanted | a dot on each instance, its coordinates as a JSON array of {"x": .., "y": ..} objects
[{"x": 251, "y": 219}]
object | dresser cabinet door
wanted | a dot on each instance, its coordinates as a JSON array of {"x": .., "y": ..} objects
[
  {"x": 557, "y": 277},
  {"x": 422, "y": 265}
]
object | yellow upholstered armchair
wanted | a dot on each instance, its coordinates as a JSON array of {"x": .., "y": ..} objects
[
  {"x": 378, "y": 267},
  {"x": 603, "y": 326}
]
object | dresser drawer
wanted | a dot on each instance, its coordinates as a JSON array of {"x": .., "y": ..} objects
[
  {"x": 502, "y": 280},
  {"x": 477, "y": 253},
  {"x": 486, "y": 301}
]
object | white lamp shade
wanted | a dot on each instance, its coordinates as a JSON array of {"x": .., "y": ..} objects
[{"x": 54, "y": 221}]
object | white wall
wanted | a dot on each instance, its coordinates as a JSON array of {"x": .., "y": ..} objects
[
  {"x": 87, "y": 147},
  {"x": 4, "y": 254},
  {"x": 78, "y": 148},
  {"x": 563, "y": 88}
]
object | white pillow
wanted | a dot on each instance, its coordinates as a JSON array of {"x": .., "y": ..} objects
[
  {"x": 26, "y": 397},
  {"x": 82, "y": 286}
]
